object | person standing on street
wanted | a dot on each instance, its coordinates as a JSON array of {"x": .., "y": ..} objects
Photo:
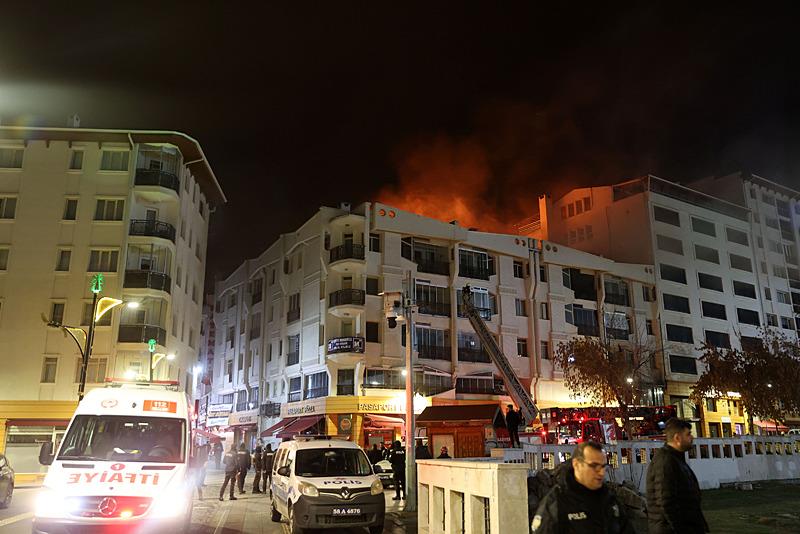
[
  {"x": 217, "y": 454},
  {"x": 398, "y": 460},
  {"x": 202, "y": 460},
  {"x": 673, "y": 493},
  {"x": 258, "y": 465},
  {"x": 512, "y": 423},
  {"x": 243, "y": 459},
  {"x": 374, "y": 455},
  {"x": 267, "y": 458},
  {"x": 231, "y": 469},
  {"x": 581, "y": 502},
  {"x": 443, "y": 454}
]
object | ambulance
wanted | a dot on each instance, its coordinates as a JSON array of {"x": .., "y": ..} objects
[{"x": 123, "y": 465}]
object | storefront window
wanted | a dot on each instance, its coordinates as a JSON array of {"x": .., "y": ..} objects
[{"x": 23, "y": 444}]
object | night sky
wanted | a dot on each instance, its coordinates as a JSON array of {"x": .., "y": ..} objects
[{"x": 475, "y": 109}]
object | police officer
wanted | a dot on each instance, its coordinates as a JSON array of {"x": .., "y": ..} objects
[
  {"x": 581, "y": 501},
  {"x": 267, "y": 459},
  {"x": 243, "y": 459},
  {"x": 398, "y": 460},
  {"x": 258, "y": 464},
  {"x": 231, "y": 464}
]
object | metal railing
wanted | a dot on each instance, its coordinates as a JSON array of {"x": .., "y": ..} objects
[
  {"x": 295, "y": 396},
  {"x": 345, "y": 389},
  {"x": 346, "y": 296},
  {"x": 434, "y": 352},
  {"x": 472, "y": 355},
  {"x": 434, "y": 267},
  {"x": 434, "y": 308},
  {"x": 478, "y": 272},
  {"x": 152, "y": 228},
  {"x": 159, "y": 178},
  {"x": 315, "y": 393},
  {"x": 148, "y": 279},
  {"x": 348, "y": 251},
  {"x": 141, "y": 333},
  {"x": 293, "y": 315}
]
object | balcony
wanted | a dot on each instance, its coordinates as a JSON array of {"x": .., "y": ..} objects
[
  {"x": 479, "y": 272},
  {"x": 156, "y": 185},
  {"x": 435, "y": 308},
  {"x": 147, "y": 280},
  {"x": 434, "y": 267},
  {"x": 152, "y": 228},
  {"x": 472, "y": 355},
  {"x": 292, "y": 315},
  {"x": 345, "y": 389},
  {"x": 588, "y": 330},
  {"x": 348, "y": 251},
  {"x": 434, "y": 352},
  {"x": 141, "y": 333},
  {"x": 315, "y": 393},
  {"x": 295, "y": 396},
  {"x": 346, "y": 302}
]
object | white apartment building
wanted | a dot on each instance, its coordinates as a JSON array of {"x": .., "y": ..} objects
[
  {"x": 131, "y": 205},
  {"x": 713, "y": 283},
  {"x": 303, "y": 342}
]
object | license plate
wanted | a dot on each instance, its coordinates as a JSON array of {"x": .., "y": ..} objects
[{"x": 346, "y": 511}]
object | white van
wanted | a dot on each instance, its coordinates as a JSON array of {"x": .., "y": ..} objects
[
  {"x": 322, "y": 482},
  {"x": 123, "y": 464}
]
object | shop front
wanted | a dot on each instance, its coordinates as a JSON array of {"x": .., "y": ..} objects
[
  {"x": 467, "y": 431},
  {"x": 244, "y": 427}
]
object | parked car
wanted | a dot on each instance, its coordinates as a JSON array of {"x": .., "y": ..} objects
[
  {"x": 6, "y": 482},
  {"x": 386, "y": 476}
]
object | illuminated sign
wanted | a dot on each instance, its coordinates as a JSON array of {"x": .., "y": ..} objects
[
  {"x": 345, "y": 344},
  {"x": 160, "y": 406},
  {"x": 249, "y": 417},
  {"x": 301, "y": 410}
]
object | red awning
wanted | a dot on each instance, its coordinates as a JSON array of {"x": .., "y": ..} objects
[
  {"x": 206, "y": 434},
  {"x": 300, "y": 425},
  {"x": 277, "y": 426},
  {"x": 771, "y": 425},
  {"x": 383, "y": 421}
]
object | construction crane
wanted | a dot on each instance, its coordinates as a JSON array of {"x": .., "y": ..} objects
[{"x": 515, "y": 388}]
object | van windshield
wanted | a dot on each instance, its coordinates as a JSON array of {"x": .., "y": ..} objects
[
  {"x": 332, "y": 463},
  {"x": 125, "y": 438}
]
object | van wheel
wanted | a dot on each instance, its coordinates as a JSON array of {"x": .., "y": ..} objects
[
  {"x": 276, "y": 515},
  {"x": 6, "y": 502},
  {"x": 293, "y": 527}
]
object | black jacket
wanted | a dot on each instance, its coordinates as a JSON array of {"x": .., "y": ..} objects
[
  {"x": 398, "y": 460},
  {"x": 570, "y": 508},
  {"x": 268, "y": 457},
  {"x": 231, "y": 462},
  {"x": 257, "y": 461},
  {"x": 375, "y": 456},
  {"x": 673, "y": 495},
  {"x": 243, "y": 460}
]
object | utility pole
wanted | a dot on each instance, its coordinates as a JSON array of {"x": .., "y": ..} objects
[
  {"x": 96, "y": 287},
  {"x": 151, "y": 347},
  {"x": 411, "y": 464}
]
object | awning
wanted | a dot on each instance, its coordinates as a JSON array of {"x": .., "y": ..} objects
[
  {"x": 382, "y": 421},
  {"x": 771, "y": 425},
  {"x": 462, "y": 413},
  {"x": 277, "y": 426},
  {"x": 300, "y": 425},
  {"x": 206, "y": 434}
]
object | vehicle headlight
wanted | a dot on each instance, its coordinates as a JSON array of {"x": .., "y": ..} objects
[
  {"x": 309, "y": 490},
  {"x": 51, "y": 503},
  {"x": 376, "y": 488},
  {"x": 169, "y": 505}
]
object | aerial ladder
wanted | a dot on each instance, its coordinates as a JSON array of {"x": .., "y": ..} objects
[{"x": 515, "y": 388}]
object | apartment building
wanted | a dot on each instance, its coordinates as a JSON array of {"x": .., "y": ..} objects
[
  {"x": 304, "y": 343},
  {"x": 131, "y": 205},
  {"x": 715, "y": 282}
]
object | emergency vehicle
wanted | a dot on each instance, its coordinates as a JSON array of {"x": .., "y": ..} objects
[
  {"x": 603, "y": 425},
  {"x": 123, "y": 465},
  {"x": 324, "y": 482}
]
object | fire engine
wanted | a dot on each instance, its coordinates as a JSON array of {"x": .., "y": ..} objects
[{"x": 603, "y": 425}]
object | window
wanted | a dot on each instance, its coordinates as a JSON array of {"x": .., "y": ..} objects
[
  {"x": 372, "y": 286},
  {"x": 569, "y": 313},
  {"x": 520, "y": 308},
  {"x": 737, "y": 236},
  {"x": 774, "y": 246},
  {"x": 3, "y": 259},
  {"x": 8, "y": 207},
  {"x": 374, "y": 242},
  {"x": 784, "y": 297},
  {"x": 680, "y": 334},
  {"x": 787, "y": 323},
  {"x": 779, "y": 271},
  {"x": 384, "y": 378},
  {"x": 70, "y": 209},
  {"x": 772, "y": 319},
  {"x": 566, "y": 277},
  {"x": 666, "y": 216},
  {"x": 519, "y": 270},
  {"x": 542, "y": 273},
  {"x": 229, "y": 371},
  {"x": 672, "y": 273},
  {"x": 578, "y": 208},
  {"x": 63, "y": 259},
  {"x": 57, "y": 312},
  {"x": 743, "y": 289},
  {"x": 522, "y": 347},
  {"x": 616, "y": 291},
  {"x": 668, "y": 244},
  {"x": 703, "y": 227},
  {"x": 718, "y": 339},
  {"x": 103, "y": 261},
  {"x": 191, "y": 337},
  {"x": 563, "y": 212},
  {"x": 373, "y": 332},
  {"x": 711, "y": 405},
  {"x": 11, "y": 158},
  {"x": 105, "y": 320},
  {"x": 293, "y": 356},
  {"x": 709, "y": 281},
  {"x": 587, "y": 203},
  {"x": 571, "y": 209},
  {"x": 231, "y": 300},
  {"x": 257, "y": 291},
  {"x": 545, "y": 348},
  {"x": 544, "y": 311},
  {"x": 255, "y": 326},
  {"x": 648, "y": 323},
  {"x": 676, "y": 303},
  {"x": 114, "y": 160},
  {"x": 316, "y": 385},
  {"x": 76, "y": 160},
  {"x": 109, "y": 210},
  {"x": 741, "y": 263},
  {"x": 767, "y": 294},
  {"x": 648, "y": 293},
  {"x": 95, "y": 370},
  {"x": 706, "y": 254},
  {"x": 748, "y": 316},
  {"x": 49, "y": 366},
  {"x": 764, "y": 267},
  {"x": 713, "y": 310},
  {"x": 682, "y": 364}
]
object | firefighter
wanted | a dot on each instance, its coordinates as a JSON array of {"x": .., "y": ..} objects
[{"x": 231, "y": 464}]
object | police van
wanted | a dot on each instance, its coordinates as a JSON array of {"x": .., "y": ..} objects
[
  {"x": 322, "y": 482},
  {"x": 122, "y": 466}
]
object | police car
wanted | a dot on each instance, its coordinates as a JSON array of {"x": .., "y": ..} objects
[
  {"x": 323, "y": 482},
  {"x": 123, "y": 465}
]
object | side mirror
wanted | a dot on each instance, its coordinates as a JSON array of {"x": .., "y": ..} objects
[
  {"x": 284, "y": 471},
  {"x": 377, "y": 469},
  {"x": 46, "y": 453}
]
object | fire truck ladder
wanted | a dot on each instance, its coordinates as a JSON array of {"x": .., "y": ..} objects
[{"x": 517, "y": 391}]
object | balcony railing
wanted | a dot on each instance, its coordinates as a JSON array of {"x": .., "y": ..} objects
[
  {"x": 295, "y": 396},
  {"x": 472, "y": 355},
  {"x": 345, "y": 389},
  {"x": 433, "y": 267},
  {"x": 152, "y": 228},
  {"x": 348, "y": 251},
  {"x": 615, "y": 333},
  {"x": 485, "y": 313},
  {"x": 434, "y": 352},
  {"x": 346, "y": 296},
  {"x": 148, "y": 279},
  {"x": 141, "y": 333},
  {"x": 315, "y": 393},
  {"x": 293, "y": 358},
  {"x": 588, "y": 330},
  {"x": 480, "y": 272},
  {"x": 159, "y": 178},
  {"x": 434, "y": 308},
  {"x": 293, "y": 315}
]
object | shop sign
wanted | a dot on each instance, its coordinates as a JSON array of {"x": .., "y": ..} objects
[
  {"x": 217, "y": 421},
  {"x": 249, "y": 417},
  {"x": 299, "y": 409},
  {"x": 345, "y": 344},
  {"x": 725, "y": 419},
  {"x": 385, "y": 406},
  {"x": 345, "y": 424},
  {"x": 220, "y": 410}
]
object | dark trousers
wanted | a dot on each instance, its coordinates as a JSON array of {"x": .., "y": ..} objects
[
  {"x": 257, "y": 481},
  {"x": 230, "y": 476},
  {"x": 242, "y": 475},
  {"x": 267, "y": 480},
  {"x": 513, "y": 434},
  {"x": 400, "y": 483}
]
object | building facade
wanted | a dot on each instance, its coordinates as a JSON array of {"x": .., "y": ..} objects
[
  {"x": 133, "y": 206},
  {"x": 303, "y": 343}
]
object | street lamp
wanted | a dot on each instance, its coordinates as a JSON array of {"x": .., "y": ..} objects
[{"x": 156, "y": 357}]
